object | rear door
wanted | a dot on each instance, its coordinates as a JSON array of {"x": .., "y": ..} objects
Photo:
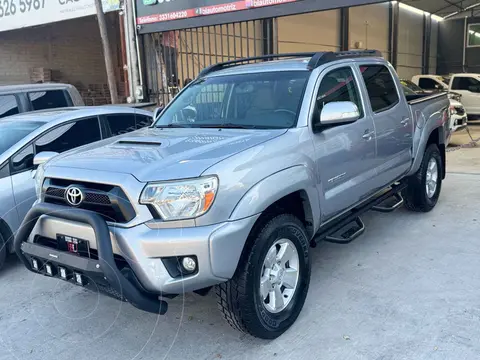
[
  {"x": 393, "y": 125},
  {"x": 345, "y": 154},
  {"x": 469, "y": 87}
]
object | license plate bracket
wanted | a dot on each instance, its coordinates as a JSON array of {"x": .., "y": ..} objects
[{"x": 73, "y": 245}]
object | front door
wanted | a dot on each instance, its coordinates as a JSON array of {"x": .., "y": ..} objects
[{"x": 345, "y": 154}]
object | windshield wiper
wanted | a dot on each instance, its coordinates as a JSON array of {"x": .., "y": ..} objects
[
  {"x": 226, "y": 126},
  {"x": 173, "y": 126}
]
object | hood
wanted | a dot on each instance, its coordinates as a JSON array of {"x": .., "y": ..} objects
[{"x": 163, "y": 154}]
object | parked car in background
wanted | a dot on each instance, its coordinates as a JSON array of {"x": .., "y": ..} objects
[
  {"x": 458, "y": 115},
  {"x": 432, "y": 83},
  {"x": 44, "y": 134},
  {"x": 15, "y": 99},
  {"x": 249, "y": 166},
  {"x": 465, "y": 85},
  {"x": 468, "y": 86}
]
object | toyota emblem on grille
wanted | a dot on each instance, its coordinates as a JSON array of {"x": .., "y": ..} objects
[{"x": 74, "y": 196}]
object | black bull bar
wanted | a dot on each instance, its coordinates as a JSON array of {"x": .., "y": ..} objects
[{"x": 124, "y": 282}]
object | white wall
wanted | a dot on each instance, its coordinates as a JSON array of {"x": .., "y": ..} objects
[
  {"x": 317, "y": 31},
  {"x": 410, "y": 43},
  {"x": 369, "y": 25}
]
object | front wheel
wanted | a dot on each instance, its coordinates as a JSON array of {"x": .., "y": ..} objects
[
  {"x": 268, "y": 290},
  {"x": 423, "y": 189}
]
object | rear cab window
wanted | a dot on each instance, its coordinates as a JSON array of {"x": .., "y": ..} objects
[
  {"x": 49, "y": 99},
  {"x": 8, "y": 105},
  {"x": 380, "y": 86}
]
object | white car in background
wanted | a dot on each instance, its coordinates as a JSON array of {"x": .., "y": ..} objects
[
  {"x": 466, "y": 85},
  {"x": 458, "y": 115}
]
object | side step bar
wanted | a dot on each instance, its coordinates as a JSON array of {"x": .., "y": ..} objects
[
  {"x": 386, "y": 209},
  {"x": 339, "y": 231}
]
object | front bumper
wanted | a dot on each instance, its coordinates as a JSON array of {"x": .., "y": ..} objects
[
  {"x": 459, "y": 122},
  {"x": 144, "y": 249}
]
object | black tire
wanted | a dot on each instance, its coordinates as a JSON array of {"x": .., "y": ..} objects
[
  {"x": 3, "y": 251},
  {"x": 415, "y": 195},
  {"x": 239, "y": 299}
]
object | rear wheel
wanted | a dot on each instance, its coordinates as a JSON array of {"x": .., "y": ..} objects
[
  {"x": 423, "y": 189},
  {"x": 3, "y": 251},
  {"x": 268, "y": 290}
]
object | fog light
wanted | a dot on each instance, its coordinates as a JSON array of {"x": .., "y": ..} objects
[
  {"x": 63, "y": 273},
  {"x": 48, "y": 269},
  {"x": 189, "y": 264},
  {"x": 35, "y": 264},
  {"x": 79, "y": 279}
]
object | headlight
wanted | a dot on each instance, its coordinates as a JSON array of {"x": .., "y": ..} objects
[
  {"x": 39, "y": 177},
  {"x": 183, "y": 199}
]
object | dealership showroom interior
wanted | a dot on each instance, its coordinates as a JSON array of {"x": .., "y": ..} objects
[{"x": 240, "y": 179}]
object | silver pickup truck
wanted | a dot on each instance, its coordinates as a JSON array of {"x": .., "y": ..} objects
[{"x": 253, "y": 163}]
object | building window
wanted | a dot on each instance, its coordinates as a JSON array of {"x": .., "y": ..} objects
[{"x": 474, "y": 35}]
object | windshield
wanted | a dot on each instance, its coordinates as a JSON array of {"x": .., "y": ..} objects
[
  {"x": 262, "y": 101},
  {"x": 412, "y": 86},
  {"x": 13, "y": 131}
]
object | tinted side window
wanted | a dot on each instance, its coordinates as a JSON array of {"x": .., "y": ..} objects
[
  {"x": 23, "y": 160},
  {"x": 143, "y": 121},
  {"x": 338, "y": 85},
  {"x": 380, "y": 86},
  {"x": 8, "y": 105},
  {"x": 428, "y": 84},
  {"x": 48, "y": 99},
  {"x": 121, "y": 123},
  {"x": 69, "y": 136},
  {"x": 124, "y": 123},
  {"x": 465, "y": 83}
]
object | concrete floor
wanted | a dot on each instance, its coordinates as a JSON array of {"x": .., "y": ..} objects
[{"x": 408, "y": 289}]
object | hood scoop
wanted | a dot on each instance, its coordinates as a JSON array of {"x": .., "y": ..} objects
[{"x": 139, "y": 143}]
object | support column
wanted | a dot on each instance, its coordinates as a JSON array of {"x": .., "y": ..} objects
[
  {"x": 344, "y": 28},
  {"x": 393, "y": 30},
  {"x": 268, "y": 36},
  {"x": 427, "y": 36}
]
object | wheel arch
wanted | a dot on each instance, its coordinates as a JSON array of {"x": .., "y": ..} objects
[
  {"x": 7, "y": 234},
  {"x": 292, "y": 190}
]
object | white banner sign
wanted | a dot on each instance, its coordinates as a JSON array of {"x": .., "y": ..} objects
[{"x": 15, "y": 14}]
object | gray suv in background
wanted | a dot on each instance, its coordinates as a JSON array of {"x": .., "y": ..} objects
[
  {"x": 247, "y": 168},
  {"x": 26, "y": 138},
  {"x": 15, "y": 99}
]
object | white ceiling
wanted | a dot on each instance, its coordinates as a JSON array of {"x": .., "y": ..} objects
[{"x": 445, "y": 7}]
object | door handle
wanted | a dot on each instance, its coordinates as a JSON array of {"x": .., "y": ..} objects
[
  {"x": 405, "y": 122},
  {"x": 368, "y": 135}
]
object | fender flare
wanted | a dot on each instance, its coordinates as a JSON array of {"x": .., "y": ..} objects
[
  {"x": 276, "y": 186},
  {"x": 417, "y": 160}
]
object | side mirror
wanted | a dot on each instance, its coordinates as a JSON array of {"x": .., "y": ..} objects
[
  {"x": 339, "y": 112},
  {"x": 157, "y": 112},
  {"x": 43, "y": 157}
]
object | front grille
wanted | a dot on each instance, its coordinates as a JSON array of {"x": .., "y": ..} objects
[
  {"x": 107, "y": 200},
  {"x": 460, "y": 111}
]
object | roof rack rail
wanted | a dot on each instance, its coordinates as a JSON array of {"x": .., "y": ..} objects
[
  {"x": 270, "y": 57},
  {"x": 321, "y": 58},
  {"x": 316, "y": 59}
]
